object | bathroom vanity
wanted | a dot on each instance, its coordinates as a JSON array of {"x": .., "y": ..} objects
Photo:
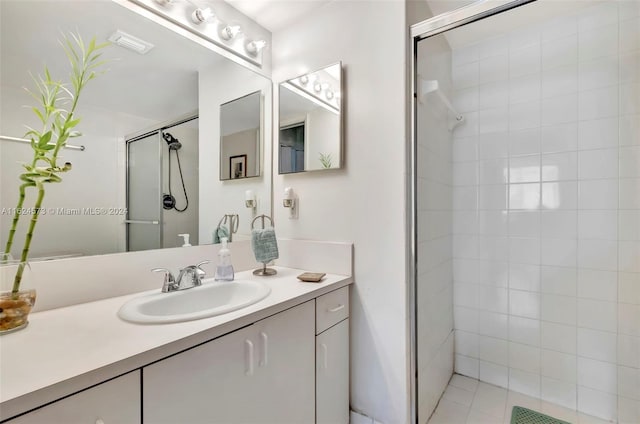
[{"x": 284, "y": 359}]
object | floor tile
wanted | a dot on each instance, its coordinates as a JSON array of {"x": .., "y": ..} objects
[
  {"x": 477, "y": 417},
  {"x": 449, "y": 412},
  {"x": 559, "y": 412},
  {"x": 493, "y": 405},
  {"x": 588, "y": 419},
  {"x": 458, "y": 395},
  {"x": 491, "y": 400},
  {"x": 463, "y": 382},
  {"x": 518, "y": 399}
]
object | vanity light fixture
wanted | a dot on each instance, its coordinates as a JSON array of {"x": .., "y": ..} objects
[
  {"x": 289, "y": 201},
  {"x": 250, "y": 200},
  {"x": 329, "y": 94},
  {"x": 254, "y": 47},
  {"x": 304, "y": 80},
  {"x": 229, "y": 32},
  {"x": 202, "y": 15}
]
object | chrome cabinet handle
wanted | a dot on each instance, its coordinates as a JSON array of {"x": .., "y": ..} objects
[
  {"x": 336, "y": 309},
  {"x": 248, "y": 357},
  {"x": 265, "y": 346},
  {"x": 325, "y": 355}
]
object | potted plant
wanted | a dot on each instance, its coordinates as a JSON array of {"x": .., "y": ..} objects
[{"x": 56, "y": 107}]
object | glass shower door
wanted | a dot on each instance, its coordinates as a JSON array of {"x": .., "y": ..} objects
[{"x": 144, "y": 191}]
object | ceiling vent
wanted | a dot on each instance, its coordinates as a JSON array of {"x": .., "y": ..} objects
[{"x": 130, "y": 42}]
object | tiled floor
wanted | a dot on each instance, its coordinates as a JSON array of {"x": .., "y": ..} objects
[{"x": 468, "y": 401}]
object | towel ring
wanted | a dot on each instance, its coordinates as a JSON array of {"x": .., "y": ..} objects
[
  {"x": 263, "y": 218},
  {"x": 264, "y": 271},
  {"x": 234, "y": 222}
]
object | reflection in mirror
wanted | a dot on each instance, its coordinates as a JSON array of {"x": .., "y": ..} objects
[
  {"x": 240, "y": 137},
  {"x": 310, "y": 136},
  {"x": 146, "y": 152}
]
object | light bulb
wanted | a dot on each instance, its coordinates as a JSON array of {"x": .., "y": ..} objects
[
  {"x": 164, "y": 2},
  {"x": 304, "y": 80},
  {"x": 317, "y": 87},
  {"x": 202, "y": 15},
  {"x": 230, "y": 31},
  {"x": 254, "y": 47},
  {"x": 329, "y": 94}
]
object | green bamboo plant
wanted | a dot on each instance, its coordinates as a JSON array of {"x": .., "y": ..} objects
[
  {"x": 56, "y": 109},
  {"x": 325, "y": 160}
]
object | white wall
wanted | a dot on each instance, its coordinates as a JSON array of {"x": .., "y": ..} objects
[
  {"x": 434, "y": 233},
  {"x": 226, "y": 82},
  {"x": 547, "y": 211},
  {"x": 365, "y": 202},
  {"x": 96, "y": 180}
]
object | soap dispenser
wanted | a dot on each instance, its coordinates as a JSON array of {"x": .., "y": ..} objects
[
  {"x": 224, "y": 270},
  {"x": 186, "y": 240}
]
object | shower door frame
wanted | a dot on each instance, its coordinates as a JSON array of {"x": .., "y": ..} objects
[
  {"x": 131, "y": 138},
  {"x": 428, "y": 28}
]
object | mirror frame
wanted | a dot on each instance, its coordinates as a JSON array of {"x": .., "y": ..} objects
[{"x": 341, "y": 138}]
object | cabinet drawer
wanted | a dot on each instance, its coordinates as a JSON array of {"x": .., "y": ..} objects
[{"x": 332, "y": 308}]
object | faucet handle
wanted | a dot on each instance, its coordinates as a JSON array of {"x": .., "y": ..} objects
[{"x": 169, "y": 282}]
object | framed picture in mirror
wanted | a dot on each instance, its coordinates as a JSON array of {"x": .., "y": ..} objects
[
  {"x": 237, "y": 167},
  {"x": 310, "y": 121}
]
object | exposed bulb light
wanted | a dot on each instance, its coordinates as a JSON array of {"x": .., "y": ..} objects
[
  {"x": 254, "y": 47},
  {"x": 304, "y": 80},
  {"x": 202, "y": 15},
  {"x": 164, "y": 2},
  {"x": 329, "y": 94},
  {"x": 317, "y": 87},
  {"x": 230, "y": 31}
]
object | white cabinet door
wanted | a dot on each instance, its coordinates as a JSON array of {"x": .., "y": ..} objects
[
  {"x": 206, "y": 384},
  {"x": 286, "y": 366},
  {"x": 332, "y": 375},
  {"x": 263, "y": 373},
  {"x": 115, "y": 402}
]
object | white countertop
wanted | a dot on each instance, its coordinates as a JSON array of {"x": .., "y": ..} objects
[{"x": 69, "y": 349}]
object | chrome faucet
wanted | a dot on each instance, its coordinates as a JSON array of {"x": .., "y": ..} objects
[{"x": 189, "y": 277}]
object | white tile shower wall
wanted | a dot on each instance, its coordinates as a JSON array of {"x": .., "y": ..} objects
[
  {"x": 434, "y": 291},
  {"x": 546, "y": 217}
]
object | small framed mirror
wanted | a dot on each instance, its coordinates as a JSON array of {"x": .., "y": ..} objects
[
  {"x": 310, "y": 123},
  {"x": 241, "y": 137}
]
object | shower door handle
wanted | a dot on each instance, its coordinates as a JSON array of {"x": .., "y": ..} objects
[{"x": 135, "y": 221}]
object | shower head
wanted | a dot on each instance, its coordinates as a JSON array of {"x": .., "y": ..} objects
[{"x": 173, "y": 142}]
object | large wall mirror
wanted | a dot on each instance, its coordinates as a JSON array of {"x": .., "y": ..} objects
[
  {"x": 149, "y": 168},
  {"x": 310, "y": 134}
]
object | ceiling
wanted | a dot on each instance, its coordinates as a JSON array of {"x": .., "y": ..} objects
[
  {"x": 275, "y": 15},
  {"x": 160, "y": 85}
]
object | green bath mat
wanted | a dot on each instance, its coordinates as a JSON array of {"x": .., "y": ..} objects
[{"x": 521, "y": 415}]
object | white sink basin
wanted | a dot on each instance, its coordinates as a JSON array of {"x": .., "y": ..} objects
[{"x": 209, "y": 299}]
